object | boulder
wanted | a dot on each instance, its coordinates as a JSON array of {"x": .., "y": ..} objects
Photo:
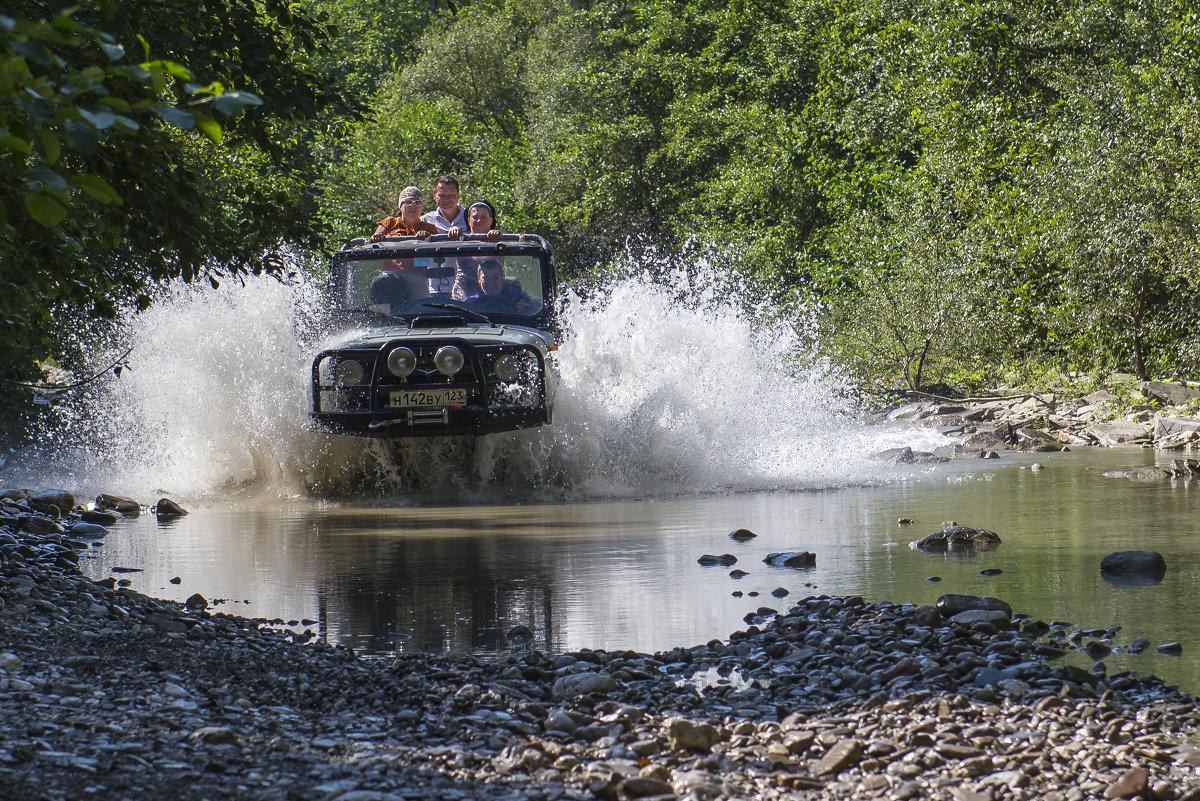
[
  {"x": 1169, "y": 394},
  {"x": 896, "y": 456},
  {"x": 912, "y": 411},
  {"x": 952, "y": 604},
  {"x": 1139, "y": 474},
  {"x": 1109, "y": 434},
  {"x": 791, "y": 559},
  {"x": 989, "y": 439},
  {"x": 41, "y": 526},
  {"x": 956, "y": 538},
  {"x": 993, "y": 616},
  {"x": 58, "y": 498},
  {"x": 87, "y": 531},
  {"x": 167, "y": 509},
  {"x": 1032, "y": 440},
  {"x": 519, "y": 634},
  {"x": 126, "y": 506},
  {"x": 714, "y": 560},
  {"x": 1134, "y": 563},
  {"x": 742, "y": 535},
  {"x": 99, "y": 518},
  {"x": 1164, "y": 426}
]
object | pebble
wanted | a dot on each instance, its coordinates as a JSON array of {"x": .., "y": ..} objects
[{"x": 107, "y": 690}]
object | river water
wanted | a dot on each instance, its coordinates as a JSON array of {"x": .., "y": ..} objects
[{"x": 677, "y": 422}]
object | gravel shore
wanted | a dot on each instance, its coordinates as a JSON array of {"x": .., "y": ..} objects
[{"x": 110, "y": 694}]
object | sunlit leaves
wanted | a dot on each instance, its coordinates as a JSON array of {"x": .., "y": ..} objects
[{"x": 129, "y": 157}]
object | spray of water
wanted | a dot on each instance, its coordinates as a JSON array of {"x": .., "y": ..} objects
[{"x": 668, "y": 385}]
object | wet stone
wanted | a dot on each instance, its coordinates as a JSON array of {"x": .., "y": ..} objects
[{"x": 825, "y": 698}]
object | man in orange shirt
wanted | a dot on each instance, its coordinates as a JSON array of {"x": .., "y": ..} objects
[{"x": 407, "y": 221}]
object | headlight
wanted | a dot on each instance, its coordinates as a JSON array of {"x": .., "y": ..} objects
[
  {"x": 402, "y": 361},
  {"x": 509, "y": 367},
  {"x": 449, "y": 360},
  {"x": 349, "y": 373}
]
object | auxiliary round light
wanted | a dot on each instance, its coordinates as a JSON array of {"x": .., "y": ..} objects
[
  {"x": 448, "y": 359},
  {"x": 508, "y": 367},
  {"x": 349, "y": 373},
  {"x": 402, "y": 361}
]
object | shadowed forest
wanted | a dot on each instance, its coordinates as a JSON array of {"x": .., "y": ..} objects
[{"x": 965, "y": 192}]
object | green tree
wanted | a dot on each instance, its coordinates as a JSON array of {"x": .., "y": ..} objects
[{"x": 143, "y": 142}]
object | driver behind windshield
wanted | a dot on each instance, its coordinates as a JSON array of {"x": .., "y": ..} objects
[{"x": 497, "y": 294}]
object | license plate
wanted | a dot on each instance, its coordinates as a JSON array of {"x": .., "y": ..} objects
[{"x": 410, "y": 398}]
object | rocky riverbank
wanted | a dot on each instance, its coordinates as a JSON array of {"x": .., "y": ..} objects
[
  {"x": 108, "y": 693},
  {"x": 1155, "y": 414}
]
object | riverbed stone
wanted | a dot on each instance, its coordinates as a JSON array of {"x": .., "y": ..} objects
[
  {"x": 1130, "y": 784},
  {"x": 98, "y": 517},
  {"x": 980, "y": 616},
  {"x": 1134, "y": 563},
  {"x": 1117, "y": 433},
  {"x": 687, "y": 735},
  {"x": 89, "y": 531},
  {"x": 1169, "y": 394},
  {"x": 59, "y": 499},
  {"x": 121, "y": 503},
  {"x": 717, "y": 560},
  {"x": 92, "y": 697},
  {"x": 578, "y": 684},
  {"x": 1149, "y": 473},
  {"x": 167, "y": 509},
  {"x": 951, "y": 604},
  {"x": 36, "y": 524},
  {"x": 793, "y": 559},
  {"x": 955, "y": 538},
  {"x": 841, "y": 755}
]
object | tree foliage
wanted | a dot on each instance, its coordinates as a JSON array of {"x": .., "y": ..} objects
[
  {"x": 143, "y": 142},
  {"x": 960, "y": 185}
]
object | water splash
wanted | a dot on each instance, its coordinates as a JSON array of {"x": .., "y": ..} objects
[{"x": 668, "y": 385}]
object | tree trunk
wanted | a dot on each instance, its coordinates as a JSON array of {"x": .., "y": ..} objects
[{"x": 1139, "y": 358}]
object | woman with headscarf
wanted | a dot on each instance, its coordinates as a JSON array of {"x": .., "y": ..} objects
[{"x": 481, "y": 219}]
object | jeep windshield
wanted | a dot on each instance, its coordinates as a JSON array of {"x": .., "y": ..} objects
[{"x": 477, "y": 281}]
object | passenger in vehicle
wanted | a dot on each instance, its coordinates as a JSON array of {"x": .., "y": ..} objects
[
  {"x": 498, "y": 295},
  {"x": 448, "y": 213},
  {"x": 391, "y": 290},
  {"x": 481, "y": 219},
  {"x": 407, "y": 221}
]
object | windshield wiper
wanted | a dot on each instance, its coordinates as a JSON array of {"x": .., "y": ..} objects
[{"x": 483, "y": 318}]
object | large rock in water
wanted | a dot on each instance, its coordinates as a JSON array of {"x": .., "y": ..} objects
[
  {"x": 1150, "y": 473},
  {"x": 956, "y": 538},
  {"x": 126, "y": 506},
  {"x": 952, "y": 604},
  {"x": 167, "y": 509},
  {"x": 58, "y": 498},
  {"x": 1147, "y": 564},
  {"x": 791, "y": 559}
]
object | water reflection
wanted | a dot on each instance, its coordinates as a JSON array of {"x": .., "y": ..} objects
[{"x": 624, "y": 574}]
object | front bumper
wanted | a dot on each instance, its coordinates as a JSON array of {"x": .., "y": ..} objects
[{"x": 368, "y": 407}]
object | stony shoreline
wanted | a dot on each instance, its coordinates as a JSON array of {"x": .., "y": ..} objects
[
  {"x": 1155, "y": 414},
  {"x": 108, "y": 693}
]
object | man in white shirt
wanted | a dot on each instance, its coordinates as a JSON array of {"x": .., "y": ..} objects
[{"x": 448, "y": 213}]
